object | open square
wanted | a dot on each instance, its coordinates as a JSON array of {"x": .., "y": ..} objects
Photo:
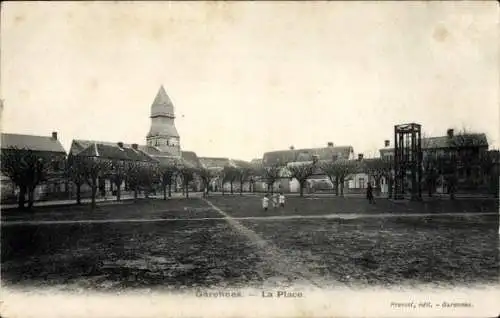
[{"x": 184, "y": 244}]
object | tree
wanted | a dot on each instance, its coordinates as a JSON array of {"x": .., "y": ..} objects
[
  {"x": 231, "y": 174},
  {"x": 302, "y": 172},
  {"x": 133, "y": 176},
  {"x": 187, "y": 175},
  {"x": 244, "y": 174},
  {"x": 270, "y": 175},
  {"x": 447, "y": 167},
  {"x": 75, "y": 170},
  {"x": 167, "y": 176},
  {"x": 117, "y": 175},
  {"x": 147, "y": 176},
  {"x": 338, "y": 171},
  {"x": 467, "y": 148},
  {"x": 330, "y": 169},
  {"x": 207, "y": 176},
  {"x": 430, "y": 164},
  {"x": 489, "y": 162},
  {"x": 93, "y": 168},
  {"x": 26, "y": 169},
  {"x": 378, "y": 168}
]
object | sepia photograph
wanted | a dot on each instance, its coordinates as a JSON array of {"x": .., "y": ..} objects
[{"x": 249, "y": 159}]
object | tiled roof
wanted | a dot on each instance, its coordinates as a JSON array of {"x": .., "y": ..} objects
[
  {"x": 114, "y": 152},
  {"x": 256, "y": 162},
  {"x": 326, "y": 153},
  {"x": 191, "y": 158},
  {"x": 241, "y": 163},
  {"x": 34, "y": 143},
  {"x": 208, "y": 162},
  {"x": 460, "y": 140},
  {"x": 79, "y": 144},
  {"x": 167, "y": 161}
]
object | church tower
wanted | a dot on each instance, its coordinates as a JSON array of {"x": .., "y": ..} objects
[{"x": 163, "y": 133}]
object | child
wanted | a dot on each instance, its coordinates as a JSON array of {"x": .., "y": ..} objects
[
  {"x": 275, "y": 200},
  {"x": 282, "y": 200},
  {"x": 265, "y": 202}
]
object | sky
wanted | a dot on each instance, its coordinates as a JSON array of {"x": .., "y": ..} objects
[{"x": 246, "y": 77}]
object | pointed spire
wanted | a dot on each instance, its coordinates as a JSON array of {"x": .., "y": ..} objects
[{"x": 162, "y": 105}]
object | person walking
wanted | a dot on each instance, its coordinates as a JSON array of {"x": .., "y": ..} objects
[{"x": 369, "y": 193}]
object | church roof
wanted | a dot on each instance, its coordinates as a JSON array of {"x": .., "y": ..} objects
[
  {"x": 32, "y": 142},
  {"x": 162, "y": 105}
]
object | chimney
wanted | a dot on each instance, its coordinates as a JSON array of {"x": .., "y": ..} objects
[
  {"x": 120, "y": 144},
  {"x": 360, "y": 156},
  {"x": 135, "y": 146},
  {"x": 449, "y": 132},
  {"x": 54, "y": 135},
  {"x": 387, "y": 143},
  {"x": 330, "y": 144}
]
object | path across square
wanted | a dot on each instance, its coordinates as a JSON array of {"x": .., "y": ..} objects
[{"x": 230, "y": 241}]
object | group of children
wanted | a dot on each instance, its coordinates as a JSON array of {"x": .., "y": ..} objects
[{"x": 275, "y": 201}]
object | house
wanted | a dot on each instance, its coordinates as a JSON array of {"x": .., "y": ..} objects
[
  {"x": 292, "y": 156},
  {"x": 465, "y": 150},
  {"x": 108, "y": 151},
  {"x": 48, "y": 147},
  {"x": 217, "y": 164}
]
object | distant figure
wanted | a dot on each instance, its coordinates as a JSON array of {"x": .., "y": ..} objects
[
  {"x": 265, "y": 202},
  {"x": 275, "y": 200},
  {"x": 369, "y": 193},
  {"x": 282, "y": 200}
]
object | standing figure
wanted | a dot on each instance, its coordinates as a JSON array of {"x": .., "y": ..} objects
[
  {"x": 369, "y": 193},
  {"x": 282, "y": 200},
  {"x": 265, "y": 202},
  {"x": 275, "y": 200}
]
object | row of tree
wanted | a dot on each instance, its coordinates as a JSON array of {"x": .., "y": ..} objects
[{"x": 27, "y": 169}]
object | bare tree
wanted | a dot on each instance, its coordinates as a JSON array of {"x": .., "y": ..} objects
[
  {"x": 447, "y": 167},
  {"x": 75, "y": 170},
  {"x": 94, "y": 168},
  {"x": 117, "y": 175},
  {"x": 430, "y": 165},
  {"x": 231, "y": 174},
  {"x": 148, "y": 174},
  {"x": 133, "y": 177},
  {"x": 26, "y": 169},
  {"x": 302, "y": 172},
  {"x": 244, "y": 174},
  {"x": 468, "y": 148},
  {"x": 187, "y": 175},
  {"x": 339, "y": 171},
  {"x": 270, "y": 175},
  {"x": 167, "y": 176},
  {"x": 378, "y": 168},
  {"x": 330, "y": 169},
  {"x": 490, "y": 162},
  {"x": 207, "y": 176}
]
